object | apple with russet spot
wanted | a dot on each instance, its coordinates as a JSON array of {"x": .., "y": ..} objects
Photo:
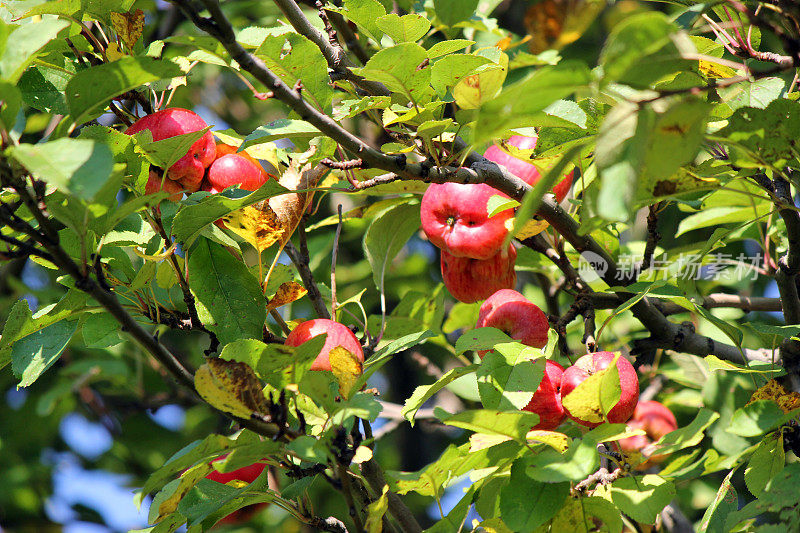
[
  {"x": 338, "y": 335},
  {"x": 470, "y": 280},
  {"x": 593, "y": 363}
]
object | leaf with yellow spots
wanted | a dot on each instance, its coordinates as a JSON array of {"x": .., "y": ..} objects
[
  {"x": 346, "y": 368},
  {"x": 553, "y": 24},
  {"x": 188, "y": 480},
  {"x": 558, "y": 441},
  {"x": 129, "y": 26},
  {"x": 787, "y": 401},
  {"x": 714, "y": 70},
  {"x": 257, "y": 224},
  {"x": 230, "y": 387},
  {"x": 286, "y": 293}
]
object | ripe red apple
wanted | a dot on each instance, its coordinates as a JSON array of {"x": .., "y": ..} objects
[
  {"x": 247, "y": 474},
  {"x": 546, "y": 401},
  {"x": 595, "y": 362},
  {"x": 154, "y": 184},
  {"x": 656, "y": 421},
  {"x": 338, "y": 335},
  {"x": 231, "y": 168},
  {"x": 522, "y": 169},
  {"x": 511, "y": 312},
  {"x": 190, "y": 168},
  {"x": 470, "y": 280},
  {"x": 455, "y": 218}
]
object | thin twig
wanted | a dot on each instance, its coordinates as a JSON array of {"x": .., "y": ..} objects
[{"x": 333, "y": 262}]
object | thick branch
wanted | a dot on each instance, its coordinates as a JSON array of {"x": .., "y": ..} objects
[
  {"x": 300, "y": 259},
  {"x": 374, "y": 476}
]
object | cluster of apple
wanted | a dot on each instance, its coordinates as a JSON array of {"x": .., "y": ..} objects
[
  {"x": 455, "y": 217},
  {"x": 206, "y": 166}
]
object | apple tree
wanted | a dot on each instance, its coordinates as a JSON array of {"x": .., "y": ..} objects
[{"x": 277, "y": 216}]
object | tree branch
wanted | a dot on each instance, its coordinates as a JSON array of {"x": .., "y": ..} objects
[{"x": 300, "y": 259}]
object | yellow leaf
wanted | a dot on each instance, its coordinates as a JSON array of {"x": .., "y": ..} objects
[
  {"x": 475, "y": 89},
  {"x": 557, "y": 441},
  {"x": 481, "y": 441},
  {"x": 113, "y": 52},
  {"x": 375, "y": 512},
  {"x": 347, "y": 369},
  {"x": 531, "y": 228},
  {"x": 287, "y": 293},
  {"x": 714, "y": 70},
  {"x": 362, "y": 455},
  {"x": 553, "y": 24},
  {"x": 231, "y": 387},
  {"x": 187, "y": 481},
  {"x": 257, "y": 224},
  {"x": 129, "y": 26},
  {"x": 787, "y": 401}
]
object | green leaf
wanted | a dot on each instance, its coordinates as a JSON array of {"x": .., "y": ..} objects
[
  {"x": 642, "y": 49},
  {"x": 452, "y": 12},
  {"x": 448, "y": 47},
  {"x": 595, "y": 396},
  {"x": 396, "y": 67},
  {"x": 758, "y": 93},
  {"x": 33, "y": 354},
  {"x": 765, "y": 463},
  {"x": 507, "y": 379},
  {"x": 764, "y": 137},
  {"x": 481, "y": 339},
  {"x": 292, "y": 57},
  {"x": 725, "y": 502},
  {"x": 364, "y": 13},
  {"x": 43, "y": 88},
  {"x": 642, "y": 497},
  {"x": 191, "y": 219},
  {"x": 425, "y": 392},
  {"x": 77, "y": 166},
  {"x": 407, "y": 28},
  {"x": 229, "y": 298},
  {"x": 757, "y": 418},
  {"x": 387, "y": 235},
  {"x": 276, "y": 364},
  {"x": 526, "y": 504},
  {"x": 91, "y": 89},
  {"x": 511, "y": 424},
  {"x": 22, "y": 45},
  {"x": 524, "y": 100},
  {"x": 578, "y": 462},
  {"x": 584, "y": 514},
  {"x": 166, "y": 152},
  {"x": 351, "y": 108},
  {"x": 100, "y": 330},
  {"x": 687, "y": 436},
  {"x": 449, "y": 70},
  {"x": 284, "y": 128},
  {"x": 20, "y": 323}
]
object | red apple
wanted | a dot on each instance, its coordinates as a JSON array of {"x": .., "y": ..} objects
[
  {"x": 231, "y": 168},
  {"x": 595, "y": 362},
  {"x": 470, "y": 280},
  {"x": 546, "y": 401},
  {"x": 455, "y": 218},
  {"x": 511, "y": 312},
  {"x": 522, "y": 169},
  {"x": 190, "y": 168},
  {"x": 338, "y": 335},
  {"x": 154, "y": 184},
  {"x": 247, "y": 474},
  {"x": 656, "y": 421}
]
